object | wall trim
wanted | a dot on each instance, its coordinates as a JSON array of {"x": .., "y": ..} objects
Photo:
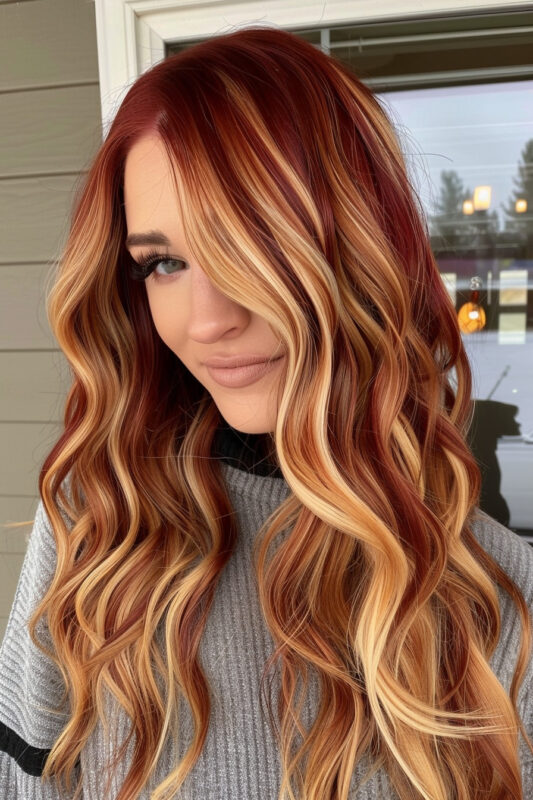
[{"x": 131, "y": 34}]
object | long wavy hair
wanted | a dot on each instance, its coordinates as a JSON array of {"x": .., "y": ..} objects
[{"x": 298, "y": 205}]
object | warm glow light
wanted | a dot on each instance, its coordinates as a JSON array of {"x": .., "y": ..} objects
[
  {"x": 482, "y": 196},
  {"x": 468, "y": 207},
  {"x": 520, "y": 206},
  {"x": 471, "y": 317}
]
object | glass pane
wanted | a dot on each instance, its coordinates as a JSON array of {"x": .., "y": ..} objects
[
  {"x": 471, "y": 156},
  {"x": 430, "y": 46},
  {"x": 466, "y": 128}
]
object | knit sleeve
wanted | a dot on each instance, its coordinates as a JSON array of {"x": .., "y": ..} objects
[
  {"x": 515, "y": 555},
  {"x": 31, "y": 686}
]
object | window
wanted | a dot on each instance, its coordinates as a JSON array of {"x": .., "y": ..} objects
[{"x": 460, "y": 91}]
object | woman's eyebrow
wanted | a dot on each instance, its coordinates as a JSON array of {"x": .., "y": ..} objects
[{"x": 150, "y": 237}]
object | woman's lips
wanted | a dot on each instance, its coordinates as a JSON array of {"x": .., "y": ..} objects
[{"x": 236, "y": 377}]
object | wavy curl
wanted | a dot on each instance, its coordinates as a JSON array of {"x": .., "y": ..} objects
[{"x": 295, "y": 186}]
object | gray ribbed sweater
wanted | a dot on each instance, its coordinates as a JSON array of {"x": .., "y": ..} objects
[{"x": 239, "y": 760}]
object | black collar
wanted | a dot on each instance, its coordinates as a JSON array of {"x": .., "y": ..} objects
[{"x": 251, "y": 452}]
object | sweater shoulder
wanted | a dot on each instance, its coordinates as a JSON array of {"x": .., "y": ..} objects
[
  {"x": 512, "y": 552},
  {"x": 33, "y": 707}
]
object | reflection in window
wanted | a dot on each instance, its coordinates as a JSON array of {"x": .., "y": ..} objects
[{"x": 473, "y": 165}]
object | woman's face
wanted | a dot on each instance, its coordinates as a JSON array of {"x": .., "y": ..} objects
[{"x": 191, "y": 315}]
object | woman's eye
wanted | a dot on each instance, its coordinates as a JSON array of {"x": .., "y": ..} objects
[
  {"x": 165, "y": 270},
  {"x": 160, "y": 266}
]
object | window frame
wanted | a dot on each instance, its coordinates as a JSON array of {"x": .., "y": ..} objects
[{"x": 132, "y": 34}]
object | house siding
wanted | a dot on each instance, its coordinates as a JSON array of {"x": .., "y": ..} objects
[{"x": 50, "y": 129}]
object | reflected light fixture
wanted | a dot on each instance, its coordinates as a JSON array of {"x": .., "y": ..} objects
[
  {"x": 482, "y": 195},
  {"x": 471, "y": 316}
]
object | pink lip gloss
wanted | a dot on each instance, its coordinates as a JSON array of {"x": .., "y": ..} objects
[{"x": 236, "y": 377}]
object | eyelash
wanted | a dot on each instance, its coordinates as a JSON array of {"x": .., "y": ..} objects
[{"x": 145, "y": 265}]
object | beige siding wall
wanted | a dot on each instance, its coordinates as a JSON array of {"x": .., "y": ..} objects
[{"x": 50, "y": 126}]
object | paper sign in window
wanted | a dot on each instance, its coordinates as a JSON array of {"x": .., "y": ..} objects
[
  {"x": 450, "y": 282},
  {"x": 512, "y": 328},
  {"x": 513, "y": 287}
]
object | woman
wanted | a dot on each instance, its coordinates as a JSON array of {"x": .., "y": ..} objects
[{"x": 312, "y": 520}]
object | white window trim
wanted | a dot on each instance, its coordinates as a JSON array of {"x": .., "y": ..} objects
[{"x": 131, "y": 34}]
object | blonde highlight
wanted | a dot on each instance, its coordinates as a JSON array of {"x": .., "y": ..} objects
[{"x": 380, "y": 587}]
